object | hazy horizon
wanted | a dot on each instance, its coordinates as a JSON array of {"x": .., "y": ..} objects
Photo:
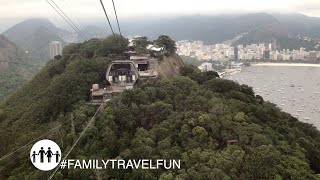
[
  {"x": 127, "y": 8},
  {"x": 7, "y": 23},
  {"x": 84, "y": 11}
]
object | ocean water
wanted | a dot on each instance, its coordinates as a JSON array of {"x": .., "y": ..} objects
[{"x": 295, "y": 90}]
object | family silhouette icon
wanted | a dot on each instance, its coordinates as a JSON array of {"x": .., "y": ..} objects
[{"x": 43, "y": 153}]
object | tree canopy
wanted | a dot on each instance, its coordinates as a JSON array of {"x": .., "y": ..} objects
[
  {"x": 166, "y": 42},
  {"x": 141, "y": 41},
  {"x": 141, "y": 44}
]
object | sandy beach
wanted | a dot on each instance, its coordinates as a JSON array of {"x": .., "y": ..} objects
[{"x": 286, "y": 64}]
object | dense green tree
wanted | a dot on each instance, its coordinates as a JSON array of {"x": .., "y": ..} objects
[
  {"x": 113, "y": 44},
  {"x": 195, "y": 74},
  {"x": 141, "y": 42},
  {"x": 71, "y": 49},
  {"x": 222, "y": 86},
  {"x": 190, "y": 60},
  {"x": 261, "y": 163},
  {"x": 167, "y": 43}
]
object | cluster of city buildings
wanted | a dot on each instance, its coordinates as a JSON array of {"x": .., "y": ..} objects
[{"x": 225, "y": 52}]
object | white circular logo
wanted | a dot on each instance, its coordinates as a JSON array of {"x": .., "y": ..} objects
[{"x": 45, "y": 155}]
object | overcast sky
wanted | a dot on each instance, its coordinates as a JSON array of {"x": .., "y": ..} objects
[{"x": 87, "y": 9}]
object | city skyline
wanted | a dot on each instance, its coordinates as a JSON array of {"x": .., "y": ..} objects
[{"x": 259, "y": 51}]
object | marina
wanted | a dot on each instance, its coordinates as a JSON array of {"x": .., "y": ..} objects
[{"x": 287, "y": 87}]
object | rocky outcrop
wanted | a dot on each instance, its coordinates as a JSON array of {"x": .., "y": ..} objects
[{"x": 170, "y": 66}]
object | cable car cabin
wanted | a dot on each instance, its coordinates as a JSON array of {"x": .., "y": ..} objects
[
  {"x": 121, "y": 75},
  {"x": 146, "y": 66}
]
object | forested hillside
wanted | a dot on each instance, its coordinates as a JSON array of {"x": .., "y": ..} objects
[
  {"x": 218, "y": 128},
  {"x": 16, "y": 67}
]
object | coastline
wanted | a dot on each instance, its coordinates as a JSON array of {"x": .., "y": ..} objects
[{"x": 286, "y": 64}]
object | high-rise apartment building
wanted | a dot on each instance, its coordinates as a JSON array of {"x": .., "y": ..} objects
[
  {"x": 236, "y": 53},
  {"x": 55, "y": 48}
]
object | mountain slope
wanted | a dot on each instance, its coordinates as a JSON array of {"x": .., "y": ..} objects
[
  {"x": 26, "y": 28},
  {"x": 218, "y": 128},
  {"x": 34, "y": 35},
  {"x": 267, "y": 32},
  {"x": 300, "y": 24},
  {"x": 211, "y": 29},
  {"x": 284, "y": 30},
  {"x": 17, "y": 68}
]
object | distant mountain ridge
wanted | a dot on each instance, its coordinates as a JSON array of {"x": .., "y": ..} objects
[
  {"x": 34, "y": 35},
  {"x": 260, "y": 27},
  {"x": 285, "y": 32},
  {"x": 28, "y": 27}
]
